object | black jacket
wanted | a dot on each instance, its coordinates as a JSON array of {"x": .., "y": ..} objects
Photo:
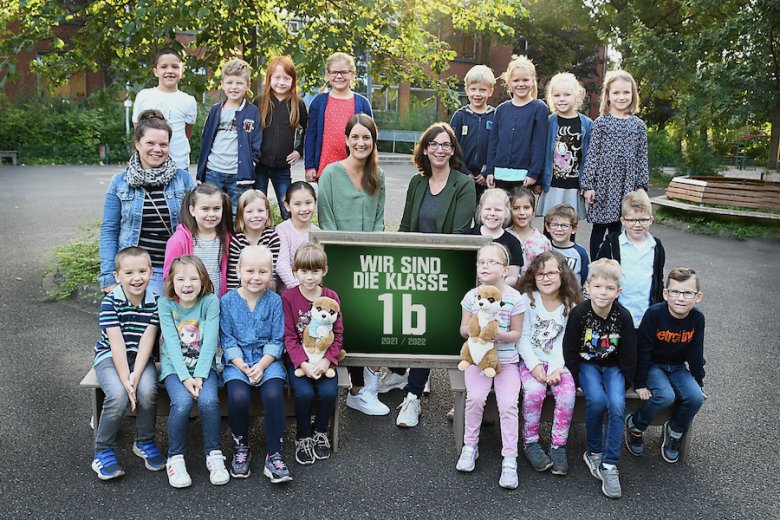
[{"x": 279, "y": 140}]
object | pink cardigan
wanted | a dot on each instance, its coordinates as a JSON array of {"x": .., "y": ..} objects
[{"x": 181, "y": 243}]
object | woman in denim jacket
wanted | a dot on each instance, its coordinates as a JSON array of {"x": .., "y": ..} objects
[{"x": 143, "y": 202}]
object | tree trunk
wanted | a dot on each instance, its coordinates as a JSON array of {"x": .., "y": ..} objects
[{"x": 774, "y": 139}]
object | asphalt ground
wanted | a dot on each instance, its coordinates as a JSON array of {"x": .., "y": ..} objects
[{"x": 381, "y": 471}]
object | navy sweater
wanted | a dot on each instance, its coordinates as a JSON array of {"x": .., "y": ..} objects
[
  {"x": 473, "y": 133},
  {"x": 519, "y": 138}
]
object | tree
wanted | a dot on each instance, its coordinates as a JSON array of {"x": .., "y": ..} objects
[{"x": 401, "y": 37}]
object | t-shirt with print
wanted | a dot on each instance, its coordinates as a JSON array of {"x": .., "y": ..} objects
[
  {"x": 513, "y": 305},
  {"x": 542, "y": 338},
  {"x": 223, "y": 157},
  {"x": 179, "y": 109},
  {"x": 567, "y": 153},
  {"x": 117, "y": 311},
  {"x": 533, "y": 246}
]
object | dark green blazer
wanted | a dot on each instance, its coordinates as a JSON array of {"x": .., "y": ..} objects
[{"x": 459, "y": 201}]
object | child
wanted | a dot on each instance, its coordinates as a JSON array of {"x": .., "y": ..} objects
[
  {"x": 232, "y": 135},
  {"x": 671, "y": 335},
  {"x": 189, "y": 319},
  {"x": 329, "y": 113},
  {"x": 179, "y": 109},
  {"x": 492, "y": 263},
  {"x": 473, "y": 122},
  {"x": 523, "y": 205},
  {"x": 617, "y": 157},
  {"x": 203, "y": 232},
  {"x": 254, "y": 225},
  {"x": 517, "y": 141},
  {"x": 599, "y": 348},
  {"x": 128, "y": 329},
  {"x": 641, "y": 255},
  {"x": 550, "y": 291},
  {"x": 252, "y": 327},
  {"x": 310, "y": 266},
  {"x": 301, "y": 202},
  {"x": 283, "y": 116},
  {"x": 561, "y": 223},
  {"x": 567, "y": 145},
  {"x": 492, "y": 215}
]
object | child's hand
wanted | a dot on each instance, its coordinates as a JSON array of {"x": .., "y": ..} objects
[
  {"x": 538, "y": 373},
  {"x": 589, "y": 196},
  {"x": 191, "y": 387},
  {"x": 479, "y": 180},
  {"x": 489, "y": 181},
  {"x": 130, "y": 389},
  {"x": 555, "y": 377},
  {"x": 255, "y": 374},
  {"x": 528, "y": 181},
  {"x": 321, "y": 367},
  {"x": 293, "y": 157},
  {"x": 310, "y": 174},
  {"x": 308, "y": 369},
  {"x": 644, "y": 393}
]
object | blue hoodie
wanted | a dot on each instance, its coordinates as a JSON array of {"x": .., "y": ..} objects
[{"x": 473, "y": 133}]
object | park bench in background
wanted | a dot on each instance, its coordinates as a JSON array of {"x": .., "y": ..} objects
[{"x": 9, "y": 154}]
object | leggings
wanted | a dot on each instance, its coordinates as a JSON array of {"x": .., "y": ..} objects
[
  {"x": 597, "y": 236},
  {"x": 534, "y": 393},
  {"x": 507, "y": 387}
]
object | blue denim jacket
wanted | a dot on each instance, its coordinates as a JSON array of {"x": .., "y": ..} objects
[{"x": 122, "y": 212}]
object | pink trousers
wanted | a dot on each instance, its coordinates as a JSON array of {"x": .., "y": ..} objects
[{"x": 507, "y": 388}]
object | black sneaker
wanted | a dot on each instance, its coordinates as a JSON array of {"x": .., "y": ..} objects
[
  {"x": 304, "y": 451},
  {"x": 560, "y": 462},
  {"x": 634, "y": 438},
  {"x": 321, "y": 445},
  {"x": 670, "y": 449},
  {"x": 239, "y": 466},
  {"x": 536, "y": 456},
  {"x": 276, "y": 469}
]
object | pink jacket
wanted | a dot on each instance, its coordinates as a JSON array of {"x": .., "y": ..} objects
[{"x": 181, "y": 243}]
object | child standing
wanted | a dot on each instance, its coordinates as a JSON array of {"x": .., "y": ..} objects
[
  {"x": 599, "y": 348},
  {"x": 523, "y": 205},
  {"x": 567, "y": 145},
  {"x": 128, "y": 329},
  {"x": 301, "y": 202},
  {"x": 232, "y": 135},
  {"x": 472, "y": 123},
  {"x": 641, "y": 255},
  {"x": 203, "y": 232},
  {"x": 492, "y": 215},
  {"x": 517, "y": 141},
  {"x": 254, "y": 226},
  {"x": 561, "y": 223},
  {"x": 179, "y": 109},
  {"x": 671, "y": 335},
  {"x": 550, "y": 291},
  {"x": 492, "y": 266},
  {"x": 189, "y": 318},
  {"x": 617, "y": 157},
  {"x": 284, "y": 119},
  {"x": 310, "y": 266},
  {"x": 252, "y": 327},
  {"x": 329, "y": 113}
]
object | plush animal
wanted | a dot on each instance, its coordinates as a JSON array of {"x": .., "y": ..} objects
[
  {"x": 480, "y": 348},
  {"x": 318, "y": 334}
]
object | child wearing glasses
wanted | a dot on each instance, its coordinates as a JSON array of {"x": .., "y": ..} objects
[
  {"x": 329, "y": 113},
  {"x": 639, "y": 253},
  {"x": 561, "y": 223},
  {"x": 671, "y": 335}
]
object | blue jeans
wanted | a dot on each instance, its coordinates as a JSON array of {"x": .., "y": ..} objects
[
  {"x": 226, "y": 183},
  {"x": 325, "y": 390},
  {"x": 281, "y": 180},
  {"x": 156, "y": 281},
  {"x": 668, "y": 383},
  {"x": 604, "y": 389},
  {"x": 272, "y": 394},
  {"x": 179, "y": 418},
  {"x": 116, "y": 403}
]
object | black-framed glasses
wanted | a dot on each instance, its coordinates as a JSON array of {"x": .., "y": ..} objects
[
  {"x": 688, "y": 295},
  {"x": 337, "y": 73},
  {"x": 447, "y": 147},
  {"x": 635, "y": 221}
]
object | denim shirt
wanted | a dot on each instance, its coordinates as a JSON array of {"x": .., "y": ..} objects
[{"x": 122, "y": 215}]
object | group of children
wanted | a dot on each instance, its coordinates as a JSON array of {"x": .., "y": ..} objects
[{"x": 220, "y": 317}]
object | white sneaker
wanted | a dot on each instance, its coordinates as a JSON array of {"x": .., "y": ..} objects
[
  {"x": 367, "y": 403},
  {"x": 409, "y": 415},
  {"x": 177, "y": 472},
  {"x": 215, "y": 463},
  {"x": 392, "y": 381},
  {"x": 468, "y": 458},
  {"x": 427, "y": 388},
  {"x": 508, "y": 478}
]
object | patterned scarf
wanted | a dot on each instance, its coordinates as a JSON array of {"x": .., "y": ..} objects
[{"x": 138, "y": 176}]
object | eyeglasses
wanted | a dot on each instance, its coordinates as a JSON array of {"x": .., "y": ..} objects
[
  {"x": 444, "y": 146},
  {"x": 552, "y": 275},
  {"x": 337, "y": 73},
  {"x": 489, "y": 263},
  {"x": 635, "y": 221},
  {"x": 674, "y": 293},
  {"x": 559, "y": 225}
]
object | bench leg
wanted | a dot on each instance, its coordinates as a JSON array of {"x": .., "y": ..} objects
[
  {"x": 97, "y": 408},
  {"x": 685, "y": 444},
  {"x": 334, "y": 425},
  {"x": 459, "y": 420}
]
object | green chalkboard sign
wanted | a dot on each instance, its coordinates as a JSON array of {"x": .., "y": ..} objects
[{"x": 400, "y": 292}]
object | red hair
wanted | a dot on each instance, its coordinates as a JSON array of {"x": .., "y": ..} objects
[{"x": 265, "y": 102}]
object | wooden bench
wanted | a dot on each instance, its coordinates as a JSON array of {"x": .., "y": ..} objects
[
  {"x": 9, "y": 154},
  {"x": 90, "y": 382},
  {"x": 458, "y": 386}
]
